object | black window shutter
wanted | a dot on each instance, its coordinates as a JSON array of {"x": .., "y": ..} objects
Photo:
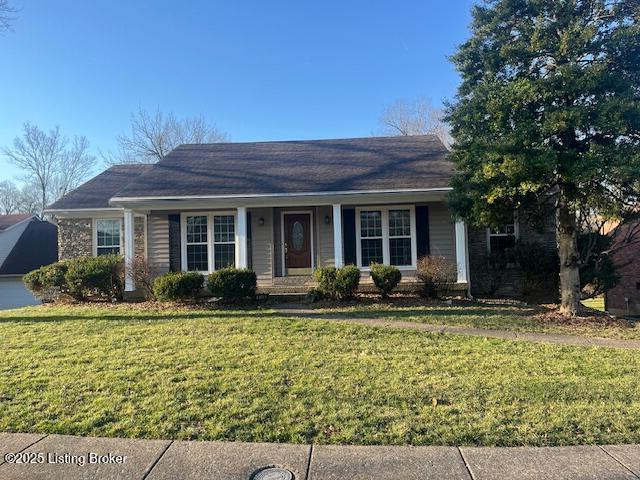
[
  {"x": 349, "y": 235},
  {"x": 422, "y": 230},
  {"x": 175, "y": 255}
]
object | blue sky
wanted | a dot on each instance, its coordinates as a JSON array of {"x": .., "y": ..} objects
[{"x": 259, "y": 70}]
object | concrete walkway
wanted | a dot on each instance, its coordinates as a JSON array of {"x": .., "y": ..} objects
[
  {"x": 61, "y": 457},
  {"x": 471, "y": 331}
]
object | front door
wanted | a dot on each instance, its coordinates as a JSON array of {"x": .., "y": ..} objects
[{"x": 297, "y": 243}]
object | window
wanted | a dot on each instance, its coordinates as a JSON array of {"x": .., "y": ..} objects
[
  {"x": 224, "y": 247},
  {"x": 400, "y": 237},
  {"x": 371, "y": 237},
  {"x": 209, "y": 241},
  {"x": 197, "y": 245},
  {"x": 386, "y": 235},
  {"x": 502, "y": 238},
  {"x": 108, "y": 236}
]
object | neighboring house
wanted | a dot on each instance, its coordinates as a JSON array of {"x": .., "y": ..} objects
[
  {"x": 624, "y": 298},
  {"x": 280, "y": 208},
  {"x": 26, "y": 243}
]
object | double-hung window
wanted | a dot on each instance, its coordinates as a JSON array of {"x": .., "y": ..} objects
[
  {"x": 224, "y": 246},
  {"x": 386, "y": 235},
  {"x": 197, "y": 243},
  {"x": 371, "y": 240},
  {"x": 400, "y": 237},
  {"x": 503, "y": 237},
  {"x": 108, "y": 236},
  {"x": 209, "y": 241}
]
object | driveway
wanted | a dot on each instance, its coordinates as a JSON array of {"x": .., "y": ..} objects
[{"x": 13, "y": 293}]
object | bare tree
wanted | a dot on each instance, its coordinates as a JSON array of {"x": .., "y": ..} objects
[
  {"x": 19, "y": 200},
  {"x": 47, "y": 162},
  {"x": 7, "y": 16},
  {"x": 9, "y": 197},
  {"x": 153, "y": 136},
  {"x": 415, "y": 117},
  {"x": 29, "y": 199}
]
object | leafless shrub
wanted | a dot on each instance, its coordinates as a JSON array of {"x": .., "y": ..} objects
[
  {"x": 143, "y": 276},
  {"x": 437, "y": 275}
]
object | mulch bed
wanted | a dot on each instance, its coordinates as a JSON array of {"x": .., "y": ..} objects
[{"x": 587, "y": 317}]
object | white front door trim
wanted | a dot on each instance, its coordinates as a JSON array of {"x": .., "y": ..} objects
[{"x": 311, "y": 238}]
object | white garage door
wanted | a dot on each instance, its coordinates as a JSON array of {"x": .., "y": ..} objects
[{"x": 13, "y": 294}]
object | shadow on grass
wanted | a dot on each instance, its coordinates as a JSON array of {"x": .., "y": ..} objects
[
  {"x": 417, "y": 312},
  {"x": 139, "y": 316}
]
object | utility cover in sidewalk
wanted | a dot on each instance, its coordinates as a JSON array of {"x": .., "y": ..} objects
[{"x": 273, "y": 473}]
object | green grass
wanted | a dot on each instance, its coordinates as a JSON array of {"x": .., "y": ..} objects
[
  {"x": 250, "y": 376},
  {"x": 503, "y": 317},
  {"x": 597, "y": 303}
]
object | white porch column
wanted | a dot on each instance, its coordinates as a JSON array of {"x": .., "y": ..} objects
[
  {"x": 242, "y": 260},
  {"x": 337, "y": 236},
  {"x": 129, "y": 282},
  {"x": 462, "y": 252}
]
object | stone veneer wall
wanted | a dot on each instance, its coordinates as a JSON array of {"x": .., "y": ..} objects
[
  {"x": 511, "y": 284},
  {"x": 75, "y": 237}
]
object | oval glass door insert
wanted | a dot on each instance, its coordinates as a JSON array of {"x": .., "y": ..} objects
[{"x": 297, "y": 236}]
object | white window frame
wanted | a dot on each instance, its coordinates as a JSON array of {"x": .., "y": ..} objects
[
  {"x": 210, "y": 238},
  {"x": 386, "y": 254},
  {"x": 94, "y": 228},
  {"x": 516, "y": 233}
]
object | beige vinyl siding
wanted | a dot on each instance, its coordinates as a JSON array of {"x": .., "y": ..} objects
[
  {"x": 441, "y": 232},
  {"x": 262, "y": 244},
  {"x": 158, "y": 242},
  {"x": 325, "y": 236}
]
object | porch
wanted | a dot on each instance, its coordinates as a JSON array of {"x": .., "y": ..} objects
[{"x": 286, "y": 240}]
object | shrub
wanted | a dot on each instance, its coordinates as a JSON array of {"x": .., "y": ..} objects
[
  {"x": 88, "y": 276},
  {"x": 385, "y": 278},
  {"x": 315, "y": 295},
  {"x": 233, "y": 283},
  {"x": 437, "y": 275},
  {"x": 143, "y": 276},
  {"x": 47, "y": 282},
  {"x": 340, "y": 283},
  {"x": 178, "y": 286},
  {"x": 326, "y": 278}
]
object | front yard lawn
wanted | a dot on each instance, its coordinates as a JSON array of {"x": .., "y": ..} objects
[
  {"x": 503, "y": 317},
  {"x": 251, "y": 376}
]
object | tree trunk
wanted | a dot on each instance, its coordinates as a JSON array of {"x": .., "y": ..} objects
[{"x": 567, "y": 235}]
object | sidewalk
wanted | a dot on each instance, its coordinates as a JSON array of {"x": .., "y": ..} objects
[
  {"x": 559, "y": 339},
  {"x": 180, "y": 460}
]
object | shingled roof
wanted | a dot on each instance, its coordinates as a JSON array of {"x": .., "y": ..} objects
[
  {"x": 358, "y": 164},
  {"x": 96, "y": 192},
  {"x": 305, "y": 166},
  {"x": 7, "y": 221}
]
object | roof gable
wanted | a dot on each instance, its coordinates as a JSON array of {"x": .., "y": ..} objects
[{"x": 37, "y": 245}]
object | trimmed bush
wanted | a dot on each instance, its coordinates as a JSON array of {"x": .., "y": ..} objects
[
  {"x": 339, "y": 284},
  {"x": 233, "y": 283},
  {"x": 178, "y": 286},
  {"x": 326, "y": 278},
  {"x": 48, "y": 281},
  {"x": 90, "y": 276},
  {"x": 385, "y": 278},
  {"x": 437, "y": 275},
  {"x": 315, "y": 295}
]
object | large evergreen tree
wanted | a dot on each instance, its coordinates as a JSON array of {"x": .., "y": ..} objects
[{"x": 548, "y": 115}]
